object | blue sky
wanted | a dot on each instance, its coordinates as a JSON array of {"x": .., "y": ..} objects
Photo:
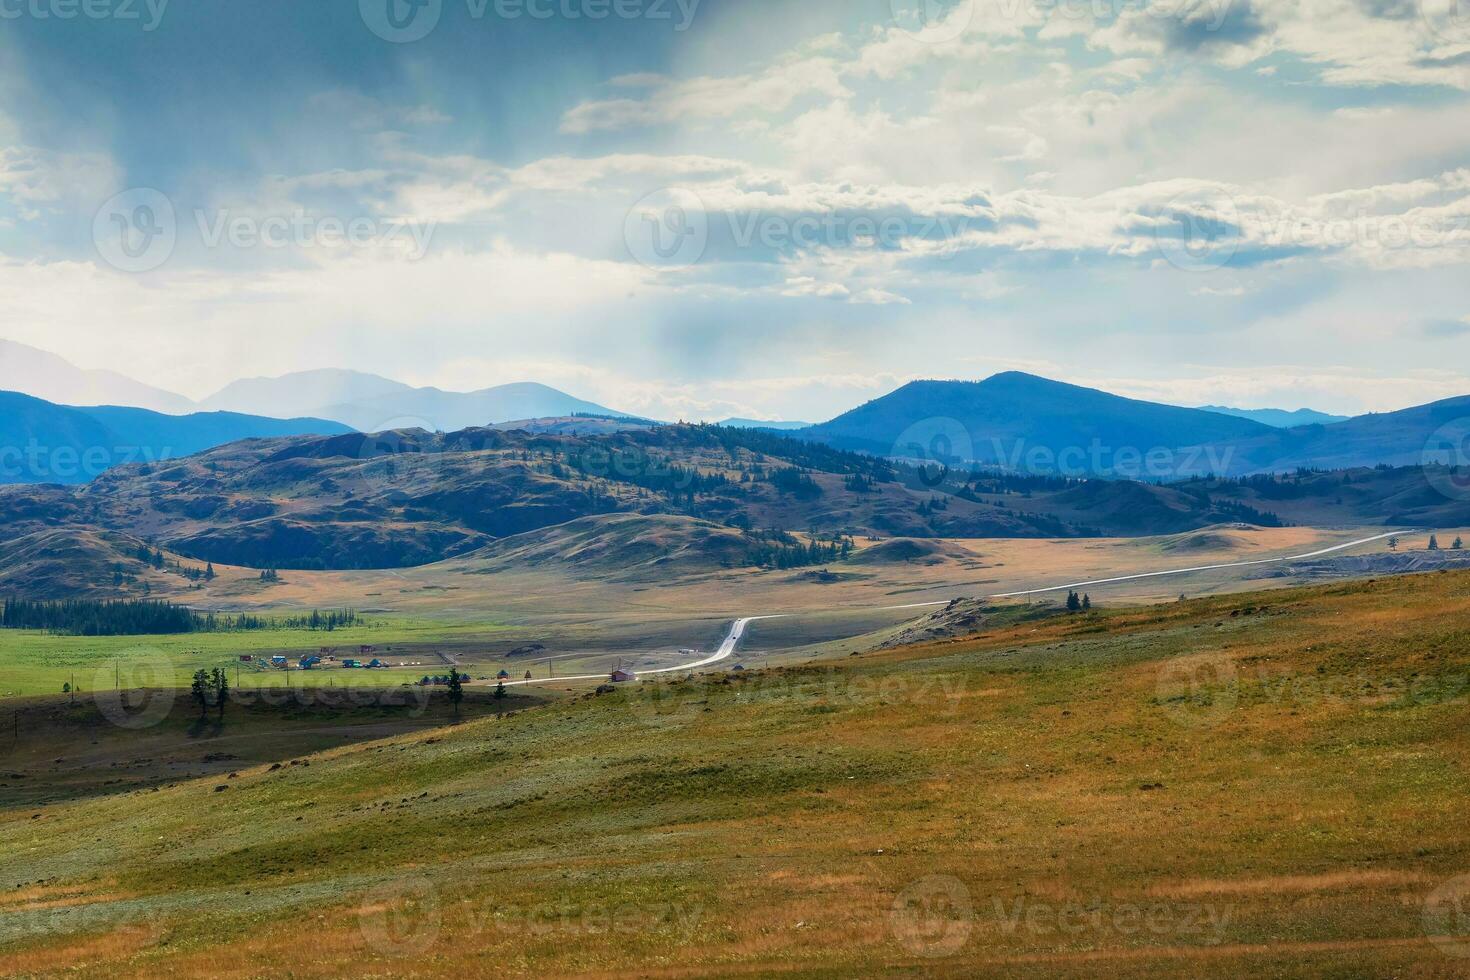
[{"x": 764, "y": 208}]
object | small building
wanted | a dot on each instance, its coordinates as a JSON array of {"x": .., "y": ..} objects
[
  {"x": 246, "y": 658},
  {"x": 504, "y": 675},
  {"x": 621, "y": 676}
]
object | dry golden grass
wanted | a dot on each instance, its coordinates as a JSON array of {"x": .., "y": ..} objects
[{"x": 1291, "y": 816}]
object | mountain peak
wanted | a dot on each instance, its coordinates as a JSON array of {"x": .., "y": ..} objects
[
  {"x": 52, "y": 378},
  {"x": 990, "y": 421}
]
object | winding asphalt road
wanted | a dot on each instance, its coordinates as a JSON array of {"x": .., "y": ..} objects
[{"x": 737, "y": 631}]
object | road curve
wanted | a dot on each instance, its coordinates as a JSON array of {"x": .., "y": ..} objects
[
  {"x": 1203, "y": 568},
  {"x": 737, "y": 631}
]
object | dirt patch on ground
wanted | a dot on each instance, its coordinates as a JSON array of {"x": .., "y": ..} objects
[
  {"x": 1393, "y": 563},
  {"x": 1294, "y": 884},
  {"x": 960, "y": 618}
]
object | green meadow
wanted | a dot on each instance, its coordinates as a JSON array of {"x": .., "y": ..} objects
[{"x": 34, "y": 662}]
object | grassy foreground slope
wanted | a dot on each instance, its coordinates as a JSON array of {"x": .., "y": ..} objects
[{"x": 1260, "y": 784}]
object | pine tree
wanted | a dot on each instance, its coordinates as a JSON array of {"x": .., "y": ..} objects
[
  {"x": 1074, "y": 603},
  {"x": 1458, "y": 545},
  {"x": 221, "y": 683},
  {"x": 1087, "y": 602},
  {"x": 209, "y": 572},
  {"x": 1433, "y": 542},
  {"x": 199, "y": 691},
  {"x": 456, "y": 690},
  {"x": 500, "y": 691}
]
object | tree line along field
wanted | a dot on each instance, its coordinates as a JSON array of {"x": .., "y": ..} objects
[
  {"x": 724, "y": 498},
  {"x": 477, "y": 611},
  {"x": 1269, "y": 782},
  {"x": 34, "y": 662}
]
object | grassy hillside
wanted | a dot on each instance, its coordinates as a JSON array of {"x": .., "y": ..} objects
[
  {"x": 1268, "y": 784},
  {"x": 411, "y": 498}
]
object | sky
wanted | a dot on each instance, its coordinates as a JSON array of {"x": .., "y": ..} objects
[{"x": 772, "y": 209}]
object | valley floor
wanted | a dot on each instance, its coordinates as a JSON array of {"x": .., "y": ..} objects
[
  {"x": 1265, "y": 783},
  {"x": 558, "y": 620}
]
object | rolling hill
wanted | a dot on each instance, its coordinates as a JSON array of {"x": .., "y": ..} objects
[
  {"x": 1029, "y": 424},
  {"x": 1433, "y": 433},
  {"x": 412, "y": 497},
  {"x": 41, "y": 442}
]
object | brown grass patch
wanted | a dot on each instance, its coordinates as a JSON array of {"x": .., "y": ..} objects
[{"x": 1292, "y": 884}]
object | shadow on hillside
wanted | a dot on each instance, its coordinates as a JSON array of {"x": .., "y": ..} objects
[{"x": 64, "y": 748}]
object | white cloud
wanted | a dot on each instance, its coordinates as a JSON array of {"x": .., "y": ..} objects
[
  {"x": 38, "y": 182},
  {"x": 669, "y": 101}
]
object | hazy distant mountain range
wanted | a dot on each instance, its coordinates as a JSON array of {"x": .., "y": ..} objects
[
  {"x": 1278, "y": 418},
  {"x": 365, "y": 402},
  {"x": 44, "y": 375},
  {"x": 1028, "y": 424},
  {"x": 373, "y": 404},
  {"x": 1013, "y": 421},
  {"x": 769, "y": 426},
  {"x": 41, "y": 442}
]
